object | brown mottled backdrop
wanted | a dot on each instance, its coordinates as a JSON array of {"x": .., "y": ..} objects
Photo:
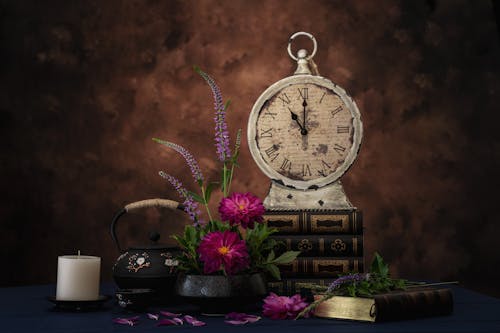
[{"x": 85, "y": 85}]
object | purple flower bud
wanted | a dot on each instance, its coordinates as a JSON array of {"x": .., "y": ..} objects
[{"x": 346, "y": 279}]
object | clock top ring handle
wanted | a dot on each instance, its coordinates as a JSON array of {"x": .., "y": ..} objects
[{"x": 302, "y": 33}]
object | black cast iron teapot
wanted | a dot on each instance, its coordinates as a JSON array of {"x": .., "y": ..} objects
[{"x": 152, "y": 266}]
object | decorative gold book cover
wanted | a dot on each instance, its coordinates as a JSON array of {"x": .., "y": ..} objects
[
  {"x": 321, "y": 245},
  {"x": 321, "y": 267},
  {"x": 388, "y": 307},
  {"x": 315, "y": 221}
]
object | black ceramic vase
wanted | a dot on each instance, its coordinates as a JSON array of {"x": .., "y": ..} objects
[{"x": 217, "y": 294}]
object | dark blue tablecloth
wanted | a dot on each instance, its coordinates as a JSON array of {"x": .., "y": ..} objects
[{"x": 26, "y": 309}]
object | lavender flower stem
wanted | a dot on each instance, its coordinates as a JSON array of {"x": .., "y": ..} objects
[
  {"x": 224, "y": 180},
  {"x": 206, "y": 203},
  {"x": 235, "y": 157}
]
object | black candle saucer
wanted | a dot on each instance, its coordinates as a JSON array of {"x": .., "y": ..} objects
[{"x": 79, "y": 306}]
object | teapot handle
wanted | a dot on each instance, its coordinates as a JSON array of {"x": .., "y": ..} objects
[{"x": 165, "y": 203}]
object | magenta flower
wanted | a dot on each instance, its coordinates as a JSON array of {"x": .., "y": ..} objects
[
  {"x": 223, "y": 250},
  {"x": 241, "y": 209},
  {"x": 283, "y": 307}
]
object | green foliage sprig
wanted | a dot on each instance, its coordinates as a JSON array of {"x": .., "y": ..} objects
[{"x": 377, "y": 281}]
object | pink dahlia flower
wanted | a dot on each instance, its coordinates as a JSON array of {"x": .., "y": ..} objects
[
  {"x": 283, "y": 307},
  {"x": 223, "y": 250},
  {"x": 241, "y": 208}
]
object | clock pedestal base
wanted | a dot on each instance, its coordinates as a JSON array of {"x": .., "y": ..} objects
[{"x": 331, "y": 196}]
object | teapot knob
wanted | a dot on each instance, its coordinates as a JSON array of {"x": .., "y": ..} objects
[{"x": 154, "y": 236}]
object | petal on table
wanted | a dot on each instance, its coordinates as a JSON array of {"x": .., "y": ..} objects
[
  {"x": 170, "y": 314},
  {"x": 127, "y": 321},
  {"x": 193, "y": 321},
  {"x": 167, "y": 322},
  {"x": 153, "y": 316}
]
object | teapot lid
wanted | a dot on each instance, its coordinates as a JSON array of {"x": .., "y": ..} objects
[
  {"x": 154, "y": 237},
  {"x": 154, "y": 247}
]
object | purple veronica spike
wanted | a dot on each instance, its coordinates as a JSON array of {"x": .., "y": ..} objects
[
  {"x": 221, "y": 133},
  {"x": 190, "y": 206},
  {"x": 190, "y": 160},
  {"x": 346, "y": 279}
]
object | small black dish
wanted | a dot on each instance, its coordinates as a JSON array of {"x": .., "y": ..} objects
[
  {"x": 79, "y": 306},
  {"x": 135, "y": 299}
]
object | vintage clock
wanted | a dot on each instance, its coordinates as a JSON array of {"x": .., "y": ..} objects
[{"x": 304, "y": 132}]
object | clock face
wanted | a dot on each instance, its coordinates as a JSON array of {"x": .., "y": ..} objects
[{"x": 305, "y": 133}]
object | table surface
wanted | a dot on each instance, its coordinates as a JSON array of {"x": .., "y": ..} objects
[{"x": 26, "y": 309}]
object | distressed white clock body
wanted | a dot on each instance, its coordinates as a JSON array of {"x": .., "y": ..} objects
[{"x": 305, "y": 168}]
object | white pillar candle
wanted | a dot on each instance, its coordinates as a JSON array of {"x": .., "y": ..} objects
[{"x": 78, "y": 278}]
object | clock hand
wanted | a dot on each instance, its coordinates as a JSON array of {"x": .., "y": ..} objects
[
  {"x": 303, "y": 131},
  {"x": 304, "y": 104}
]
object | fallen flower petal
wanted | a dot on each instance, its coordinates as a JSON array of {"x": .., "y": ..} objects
[
  {"x": 167, "y": 322},
  {"x": 127, "y": 321},
  {"x": 193, "y": 321},
  {"x": 153, "y": 316},
  {"x": 179, "y": 321},
  {"x": 237, "y": 316},
  {"x": 198, "y": 323},
  {"x": 236, "y": 322},
  {"x": 252, "y": 318},
  {"x": 170, "y": 314}
]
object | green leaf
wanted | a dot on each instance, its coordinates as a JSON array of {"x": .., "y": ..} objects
[
  {"x": 190, "y": 235},
  {"x": 270, "y": 257},
  {"x": 208, "y": 191},
  {"x": 182, "y": 242},
  {"x": 286, "y": 257},
  {"x": 274, "y": 271},
  {"x": 196, "y": 197},
  {"x": 351, "y": 290},
  {"x": 197, "y": 69},
  {"x": 226, "y": 106},
  {"x": 379, "y": 266}
]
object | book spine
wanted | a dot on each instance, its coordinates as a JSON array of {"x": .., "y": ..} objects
[
  {"x": 414, "y": 304},
  {"x": 326, "y": 267},
  {"x": 316, "y": 222},
  {"x": 321, "y": 245},
  {"x": 409, "y": 304}
]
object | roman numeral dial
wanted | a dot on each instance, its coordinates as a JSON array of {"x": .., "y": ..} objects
[{"x": 304, "y": 132}]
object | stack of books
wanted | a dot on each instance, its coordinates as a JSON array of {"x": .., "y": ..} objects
[{"x": 330, "y": 242}]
